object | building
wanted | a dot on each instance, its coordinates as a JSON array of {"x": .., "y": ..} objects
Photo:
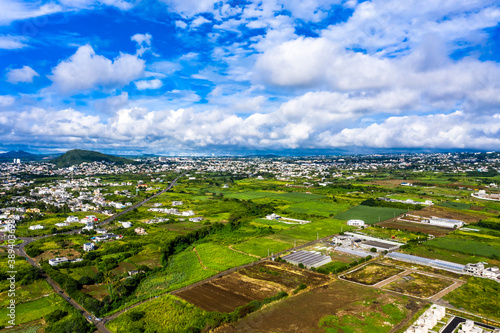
[
  {"x": 475, "y": 269},
  {"x": 125, "y": 224},
  {"x": 88, "y": 247},
  {"x": 140, "y": 231},
  {"x": 446, "y": 223},
  {"x": 177, "y": 203},
  {"x": 196, "y": 219},
  {"x": 428, "y": 319},
  {"x": 273, "y": 216},
  {"x": 308, "y": 259},
  {"x": 379, "y": 246},
  {"x": 57, "y": 261},
  {"x": 356, "y": 223},
  {"x": 63, "y": 224},
  {"x": 72, "y": 219},
  {"x": 187, "y": 213},
  {"x": 36, "y": 227}
]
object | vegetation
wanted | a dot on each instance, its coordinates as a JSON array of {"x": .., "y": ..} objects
[{"x": 77, "y": 156}]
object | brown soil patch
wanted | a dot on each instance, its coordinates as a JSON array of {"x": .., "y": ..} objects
[
  {"x": 302, "y": 313},
  {"x": 96, "y": 291},
  {"x": 416, "y": 227},
  {"x": 373, "y": 273},
  {"x": 50, "y": 254},
  {"x": 288, "y": 276},
  {"x": 227, "y": 293},
  {"x": 448, "y": 213}
]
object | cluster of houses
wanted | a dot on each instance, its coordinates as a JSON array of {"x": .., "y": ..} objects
[
  {"x": 57, "y": 261},
  {"x": 481, "y": 194},
  {"x": 426, "y": 322},
  {"x": 408, "y": 201},
  {"x": 478, "y": 269},
  {"x": 171, "y": 211}
]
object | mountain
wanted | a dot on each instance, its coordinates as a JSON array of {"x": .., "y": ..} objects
[
  {"x": 20, "y": 154},
  {"x": 77, "y": 156}
]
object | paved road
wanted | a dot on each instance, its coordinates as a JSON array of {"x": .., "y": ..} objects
[{"x": 20, "y": 251}]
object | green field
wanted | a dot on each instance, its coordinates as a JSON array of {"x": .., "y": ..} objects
[
  {"x": 183, "y": 269},
  {"x": 318, "y": 208},
  {"x": 32, "y": 291},
  {"x": 479, "y": 296},
  {"x": 308, "y": 232},
  {"x": 260, "y": 246},
  {"x": 168, "y": 313},
  {"x": 370, "y": 214},
  {"x": 78, "y": 272},
  {"x": 455, "y": 205},
  {"x": 286, "y": 196},
  {"x": 30, "y": 311},
  {"x": 472, "y": 247},
  {"x": 221, "y": 258}
]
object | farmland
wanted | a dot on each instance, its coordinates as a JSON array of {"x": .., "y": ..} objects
[
  {"x": 262, "y": 246},
  {"x": 369, "y": 214},
  {"x": 418, "y": 285},
  {"x": 372, "y": 273}
]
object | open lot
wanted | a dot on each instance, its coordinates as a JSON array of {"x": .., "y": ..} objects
[
  {"x": 287, "y": 276},
  {"x": 227, "y": 293},
  {"x": 419, "y": 285},
  {"x": 372, "y": 273},
  {"x": 338, "y": 307},
  {"x": 262, "y": 246}
]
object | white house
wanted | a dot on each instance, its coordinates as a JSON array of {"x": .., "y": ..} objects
[
  {"x": 72, "y": 219},
  {"x": 356, "y": 223},
  {"x": 126, "y": 224},
  {"x": 57, "y": 261},
  {"x": 88, "y": 246},
  {"x": 188, "y": 213},
  {"x": 63, "y": 224},
  {"x": 177, "y": 203},
  {"x": 196, "y": 219},
  {"x": 36, "y": 227}
]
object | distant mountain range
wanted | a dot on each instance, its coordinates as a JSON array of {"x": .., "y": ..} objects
[{"x": 78, "y": 156}]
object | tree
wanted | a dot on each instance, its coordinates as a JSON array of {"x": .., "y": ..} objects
[{"x": 373, "y": 249}]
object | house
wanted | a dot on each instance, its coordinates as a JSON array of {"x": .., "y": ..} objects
[
  {"x": 72, "y": 219},
  {"x": 356, "y": 223},
  {"x": 188, "y": 213},
  {"x": 140, "y": 231},
  {"x": 36, "y": 227},
  {"x": 177, "y": 203},
  {"x": 88, "y": 247},
  {"x": 474, "y": 269},
  {"x": 64, "y": 224},
  {"x": 125, "y": 224},
  {"x": 406, "y": 184},
  {"x": 57, "y": 261},
  {"x": 273, "y": 216},
  {"x": 196, "y": 219}
]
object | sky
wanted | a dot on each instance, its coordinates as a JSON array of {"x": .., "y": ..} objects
[{"x": 201, "y": 77}]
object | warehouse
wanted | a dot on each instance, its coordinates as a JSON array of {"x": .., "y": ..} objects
[
  {"x": 380, "y": 246},
  {"x": 308, "y": 259}
]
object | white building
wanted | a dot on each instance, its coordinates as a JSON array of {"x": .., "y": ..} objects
[
  {"x": 196, "y": 219},
  {"x": 357, "y": 223},
  {"x": 474, "y": 269},
  {"x": 188, "y": 213},
  {"x": 126, "y": 224},
  {"x": 273, "y": 216},
  {"x": 72, "y": 219},
  {"x": 63, "y": 224},
  {"x": 177, "y": 203},
  {"x": 446, "y": 223},
  {"x": 36, "y": 227},
  {"x": 57, "y": 261},
  {"x": 88, "y": 247},
  {"x": 428, "y": 319}
]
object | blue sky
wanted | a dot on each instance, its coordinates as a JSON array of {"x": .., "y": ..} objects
[{"x": 205, "y": 76}]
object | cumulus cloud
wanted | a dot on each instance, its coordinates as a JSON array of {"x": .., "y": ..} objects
[
  {"x": 11, "y": 10},
  {"x": 24, "y": 74},
  {"x": 143, "y": 42},
  {"x": 86, "y": 70},
  {"x": 11, "y": 43},
  {"x": 199, "y": 21},
  {"x": 148, "y": 84},
  {"x": 6, "y": 100}
]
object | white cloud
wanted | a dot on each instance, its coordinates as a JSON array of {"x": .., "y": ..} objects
[
  {"x": 148, "y": 84},
  {"x": 6, "y": 101},
  {"x": 141, "y": 39},
  {"x": 11, "y": 43},
  {"x": 181, "y": 24},
  {"x": 24, "y": 74},
  {"x": 16, "y": 10},
  {"x": 86, "y": 70},
  {"x": 189, "y": 8},
  {"x": 199, "y": 21}
]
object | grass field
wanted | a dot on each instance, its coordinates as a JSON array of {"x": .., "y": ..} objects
[
  {"x": 471, "y": 247},
  {"x": 30, "y": 311},
  {"x": 169, "y": 313},
  {"x": 29, "y": 292},
  {"x": 183, "y": 269},
  {"x": 444, "y": 254},
  {"x": 78, "y": 272},
  {"x": 479, "y": 296},
  {"x": 455, "y": 205},
  {"x": 307, "y": 232},
  {"x": 221, "y": 258},
  {"x": 318, "y": 208},
  {"x": 260, "y": 246},
  {"x": 418, "y": 285},
  {"x": 370, "y": 214},
  {"x": 275, "y": 224},
  {"x": 373, "y": 273},
  {"x": 284, "y": 196}
]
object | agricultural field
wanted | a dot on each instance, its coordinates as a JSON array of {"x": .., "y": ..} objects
[
  {"x": 30, "y": 292},
  {"x": 262, "y": 247},
  {"x": 478, "y": 295},
  {"x": 386, "y": 233},
  {"x": 372, "y": 273},
  {"x": 316, "y": 207},
  {"x": 305, "y": 233},
  {"x": 370, "y": 214},
  {"x": 287, "y": 276},
  {"x": 227, "y": 293},
  {"x": 33, "y": 310},
  {"x": 415, "y": 227},
  {"x": 338, "y": 307},
  {"x": 168, "y": 312},
  {"x": 220, "y": 258},
  {"x": 481, "y": 246},
  {"x": 418, "y": 285}
]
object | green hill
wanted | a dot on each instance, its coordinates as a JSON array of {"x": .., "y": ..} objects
[{"x": 77, "y": 156}]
